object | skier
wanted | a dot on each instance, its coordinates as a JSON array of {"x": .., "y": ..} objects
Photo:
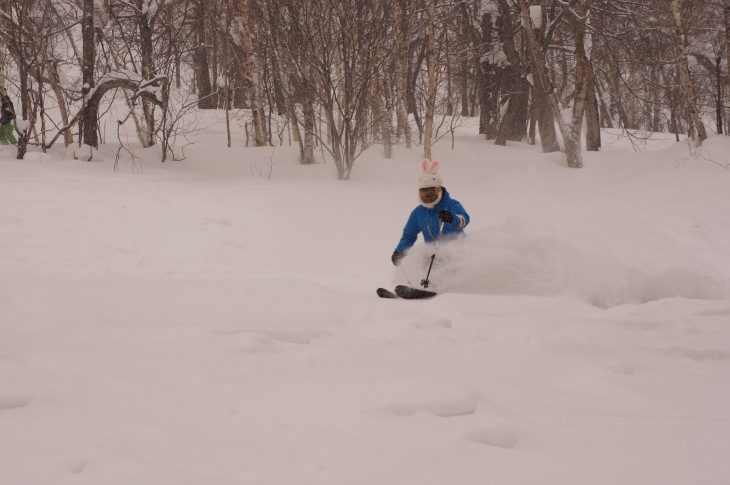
[
  {"x": 7, "y": 115},
  {"x": 436, "y": 207}
]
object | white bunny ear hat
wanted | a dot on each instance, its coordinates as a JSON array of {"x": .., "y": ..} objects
[{"x": 430, "y": 176}]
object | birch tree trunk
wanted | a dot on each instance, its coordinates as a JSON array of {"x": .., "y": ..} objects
[
  {"x": 309, "y": 127},
  {"x": 696, "y": 129},
  {"x": 252, "y": 75},
  {"x": 572, "y": 147},
  {"x": 592, "y": 118},
  {"x": 583, "y": 68}
]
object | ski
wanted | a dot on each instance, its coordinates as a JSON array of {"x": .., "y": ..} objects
[
  {"x": 413, "y": 293},
  {"x": 383, "y": 293}
]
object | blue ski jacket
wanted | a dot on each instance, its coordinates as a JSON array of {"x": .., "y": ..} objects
[{"x": 426, "y": 221}]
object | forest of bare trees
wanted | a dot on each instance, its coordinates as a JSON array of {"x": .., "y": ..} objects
[{"x": 336, "y": 77}]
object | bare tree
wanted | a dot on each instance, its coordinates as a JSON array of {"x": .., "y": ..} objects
[
  {"x": 572, "y": 147},
  {"x": 201, "y": 63},
  {"x": 696, "y": 131},
  {"x": 577, "y": 16},
  {"x": 726, "y": 17},
  {"x": 337, "y": 58},
  {"x": 19, "y": 32},
  {"x": 244, "y": 34},
  {"x": 432, "y": 85},
  {"x": 146, "y": 18},
  {"x": 403, "y": 25},
  {"x": 89, "y": 120},
  {"x": 3, "y": 56}
]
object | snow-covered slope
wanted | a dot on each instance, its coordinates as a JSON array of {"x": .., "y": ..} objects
[{"x": 200, "y": 323}]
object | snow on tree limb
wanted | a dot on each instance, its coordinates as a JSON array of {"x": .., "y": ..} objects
[{"x": 154, "y": 89}]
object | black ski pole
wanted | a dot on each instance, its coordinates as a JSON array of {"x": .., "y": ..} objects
[{"x": 425, "y": 282}]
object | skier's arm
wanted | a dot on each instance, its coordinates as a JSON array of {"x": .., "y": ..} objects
[{"x": 410, "y": 233}]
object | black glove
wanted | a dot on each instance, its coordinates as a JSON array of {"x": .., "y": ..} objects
[
  {"x": 446, "y": 216},
  {"x": 397, "y": 256}
]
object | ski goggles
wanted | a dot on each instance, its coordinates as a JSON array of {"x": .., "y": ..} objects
[{"x": 429, "y": 191}]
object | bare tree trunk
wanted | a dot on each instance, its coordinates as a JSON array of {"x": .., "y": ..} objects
[
  {"x": 309, "y": 119},
  {"x": 606, "y": 121},
  {"x": 114, "y": 58},
  {"x": 60, "y": 98},
  {"x": 572, "y": 147},
  {"x": 3, "y": 55},
  {"x": 279, "y": 96},
  {"x": 541, "y": 114},
  {"x": 491, "y": 78},
  {"x": 583, "y": 69},
  {"x": 200, "y": 59},
  {"x": 252, "y": 75},
  {"x": 545, "y": 121},
  {"x": 227, "y": 76},
  {"x": 449, "y": 71},
  {"x": 403, "y": 23},
  {"x": 593, "y": 120},
  {"x": 464, "y": 64},
  {"x": 532, "y": 129},
  {"x": 696, "y": 130},
  {"x": 381, "y": 118},
  {"x": 654, "y": 107},
  {"x": 718, "y": 94},
  {"x": 25, "y": 110},
  {"x": 673, "y": 109},
  {"x": 432, "y": 79},
  {"x": 726, "y": 16},
  {"x": 468, "y": 77},
  {"x": 41, "y": 43},
  {"x": 513, "y": 125},
  {"x": 148, "y": 70},
  {"x": 414, "y": 69},
  {"x": 291, "y": 91},
  {"x": 614, "y": 87},
  {"x": 90, "y": 135}
]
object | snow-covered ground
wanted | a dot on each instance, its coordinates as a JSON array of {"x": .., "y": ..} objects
[{"x": 199, "y": 323}]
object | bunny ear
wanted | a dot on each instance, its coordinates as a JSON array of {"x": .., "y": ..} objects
[
  {"x": 424, "y": 164},
  {"x": 434, "y": 166}
]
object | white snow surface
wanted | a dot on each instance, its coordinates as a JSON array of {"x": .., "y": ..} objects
[{"x": 199, "y": 323}]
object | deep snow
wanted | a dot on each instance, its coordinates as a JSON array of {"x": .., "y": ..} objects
[{"x": 200, "y": 323}]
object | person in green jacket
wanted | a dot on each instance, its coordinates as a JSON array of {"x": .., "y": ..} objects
[{"x": 7, "y": 116}]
